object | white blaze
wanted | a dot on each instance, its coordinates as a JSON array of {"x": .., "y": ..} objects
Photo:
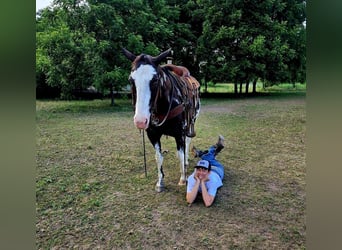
[{"x": 142, "y": 77}]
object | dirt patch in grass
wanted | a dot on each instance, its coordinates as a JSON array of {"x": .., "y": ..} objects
[{"x": 91, "y": 190}]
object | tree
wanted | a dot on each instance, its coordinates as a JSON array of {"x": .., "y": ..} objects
[
  {"x": 249, "y": 40},
  {"x": 79, "y": 42},
  {"x": 82, "y": 41},
  {"x": 69, "y": 58},
  {"x": 69, "y": 53}
]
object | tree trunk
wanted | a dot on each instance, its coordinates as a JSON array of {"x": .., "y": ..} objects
[
  {"x": 254, "y": 85},
  {"x": 235, "y": 89},
  {"x": 111, "y": 95},
  {"x": 247, "y": 87},
  {"x": 241, "y": 88}
]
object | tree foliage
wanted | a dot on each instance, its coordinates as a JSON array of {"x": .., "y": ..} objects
[
  {"x": 251, "y": 39},
  {"x": 79, "y": 42}
]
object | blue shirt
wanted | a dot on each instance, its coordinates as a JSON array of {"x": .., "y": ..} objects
[{"x": 212, "y": 185}]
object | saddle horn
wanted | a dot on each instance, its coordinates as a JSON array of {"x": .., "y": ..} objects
[
  {"x": 157, "y": 60},
  {"x": 128, "y": 54}
]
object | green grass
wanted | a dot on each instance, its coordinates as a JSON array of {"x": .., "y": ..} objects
[{"x": 91, "y": 190}]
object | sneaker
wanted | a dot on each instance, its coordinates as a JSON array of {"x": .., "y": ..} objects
[
  {"x": 219, "y": 145},
  {"x": 220, "y": 141},
  {"x": 194, "y": 152}
]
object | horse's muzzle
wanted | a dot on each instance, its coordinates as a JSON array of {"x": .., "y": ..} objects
[{"x": 141, "y": 123}]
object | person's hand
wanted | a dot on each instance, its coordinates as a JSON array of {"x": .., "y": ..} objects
[
  {"x": 197, "y": 176},
  {"x": 206, "y": 178}
]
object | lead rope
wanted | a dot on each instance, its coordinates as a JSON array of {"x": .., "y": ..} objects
[{"x": 143, "y": 142}]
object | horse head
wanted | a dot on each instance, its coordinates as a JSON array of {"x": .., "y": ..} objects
[{"x": 145, "y": 84}]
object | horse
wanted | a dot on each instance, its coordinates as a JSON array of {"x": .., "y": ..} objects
[{"x": 166, "y": 102}]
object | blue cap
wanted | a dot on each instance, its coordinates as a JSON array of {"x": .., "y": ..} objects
[{"x": 202, "y": 164}]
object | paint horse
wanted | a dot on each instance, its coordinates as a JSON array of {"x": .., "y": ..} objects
[{"x": 166, "y": 101}]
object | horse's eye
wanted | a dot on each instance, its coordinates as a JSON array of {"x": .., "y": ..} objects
[{"x": 154, "y": 80}]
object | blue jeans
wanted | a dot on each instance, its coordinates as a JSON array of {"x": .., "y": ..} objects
[{"x": 216, "y": 166}]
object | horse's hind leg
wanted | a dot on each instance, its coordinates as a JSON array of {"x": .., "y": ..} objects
[
  {"x": 180, "y": 155},
  {"x": 183, "y": 156},
  {"x": 187, "y": 148}
]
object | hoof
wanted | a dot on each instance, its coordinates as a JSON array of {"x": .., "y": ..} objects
[
  {"x": 182, "y": 182},
  {"x": 159, "y": 189}
]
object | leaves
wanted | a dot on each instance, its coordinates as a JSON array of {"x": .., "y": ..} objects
[
  {"x": 254, "y": 39},
  {"x": 79, "y": 42}
]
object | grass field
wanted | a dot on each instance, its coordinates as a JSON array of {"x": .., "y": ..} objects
[{"x": 92, "y": 193}]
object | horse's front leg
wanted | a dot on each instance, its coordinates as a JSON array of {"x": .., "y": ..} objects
[{"x": 159, "y": 159}]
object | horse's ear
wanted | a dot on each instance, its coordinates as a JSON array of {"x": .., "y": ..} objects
[
  {"x": 128, "y": 54},
  {"x": 157, "y": 60}
]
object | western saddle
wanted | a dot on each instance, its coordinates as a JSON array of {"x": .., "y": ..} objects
[{"x": 190, "y": 90}]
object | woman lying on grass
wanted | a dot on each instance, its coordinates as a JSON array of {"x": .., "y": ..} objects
[{"x": 207, "y": 176}]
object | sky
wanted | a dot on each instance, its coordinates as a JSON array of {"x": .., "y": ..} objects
[{"x": 40, "y": 4}]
